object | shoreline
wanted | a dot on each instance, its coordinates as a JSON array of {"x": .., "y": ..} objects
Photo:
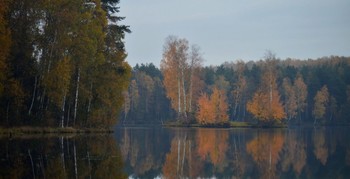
[
  {"x": 229, "y": 125},
  {"x": 29, "y": 130}
]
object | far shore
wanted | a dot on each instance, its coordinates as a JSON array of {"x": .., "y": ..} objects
[
  {"x": 29, "y": 130},
  {"x": 231, "y": 124}
]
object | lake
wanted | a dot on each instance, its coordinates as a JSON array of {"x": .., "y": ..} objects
[{"x": 181, "y": 153}]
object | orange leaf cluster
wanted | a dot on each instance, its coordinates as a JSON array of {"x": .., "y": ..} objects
[
  {"x": 264, "y": 109},
  {"x": 213, "y": 109}
]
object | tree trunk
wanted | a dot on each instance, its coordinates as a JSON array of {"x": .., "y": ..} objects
[
  {"x": 76, "y": 96},
  {"x": 190, "y": 98},
  {"x": 34, "y": 92},
  {"x": 7, "y": 112},
  {"x": 236, "y": 103},
  {"x": 90, "y": 99},
  {"x": 191, "y": 88},
  {"x": 270, "y": 95},
  {"x": 68, "y": 115},
  {"x": 179, "y": 95},
  {"x": 184, "y": 92},
  {"x": 63, "y": 105}
]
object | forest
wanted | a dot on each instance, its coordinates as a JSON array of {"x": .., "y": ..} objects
[
  {"x": 62, "y": 63},
  {"x": 270, "y": 90}
]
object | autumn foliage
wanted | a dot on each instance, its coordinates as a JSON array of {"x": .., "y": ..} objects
[
  {"x": 266, "y": 105},
  {"x": 321, "y": 100},
  {"x": 212, "y": 109},
  {"x": 179, "y": 66}
]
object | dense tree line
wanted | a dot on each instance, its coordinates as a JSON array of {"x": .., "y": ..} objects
[
  {"x": 269, "y": 90},
  {"x": 145, "y": 99},
  {"x": 61, "y": 62},
  {"x": 293, "y": 92}
]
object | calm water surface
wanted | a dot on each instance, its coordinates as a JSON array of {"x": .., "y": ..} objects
[
  {"x": 181, "y": 153},
  {"x": 236, "y": 153}
]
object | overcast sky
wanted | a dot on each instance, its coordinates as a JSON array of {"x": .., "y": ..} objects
[{"x": 227, "y": 30}]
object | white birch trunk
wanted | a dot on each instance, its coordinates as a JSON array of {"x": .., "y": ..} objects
[
  {"x": 90, "y": 99},
  {"x": 191, "y": 85},
  {"x": 179, "y": 95},
  {"x": 34, "y": 92},
  {"x": 184, "y": 92},
  {"x": 76, "y": 96},
  {"x": 191, "y": 93},
  {"x": 63, "y": 104},
  {"x": 7, "y": 112},
  {"x": 270, "y": 95},
  {"x": 68, "y": 115}
]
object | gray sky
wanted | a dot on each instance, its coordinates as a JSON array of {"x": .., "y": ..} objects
[{"x": 227, "y": 30}]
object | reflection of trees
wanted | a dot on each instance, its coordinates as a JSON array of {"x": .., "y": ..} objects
[
  {"x": 187, "y": 156},
  {"x": 182, "y": 160},
  {"x": 212, "y": 143},
  {"x": 78, "y": 157},
  {"x": 254, "y": 153},
  {"x": 237, "y": 154},
  {"x": 294, "y": 153},
  {"x": 265, "y": 149},
  {"x": 320, "y": 147},
  {"x": 142, "y": 150}
]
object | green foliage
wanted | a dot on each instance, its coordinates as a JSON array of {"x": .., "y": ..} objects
[{"x": 66, "y": 64}]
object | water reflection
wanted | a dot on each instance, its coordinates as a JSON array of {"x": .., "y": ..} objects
[
  {"x": 61, "y": 157},
  {"x": 236, "y": 153}
]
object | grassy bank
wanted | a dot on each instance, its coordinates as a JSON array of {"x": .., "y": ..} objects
[
  {"x": 50, "y": 130},
  {"x": 231, "y": 124}
]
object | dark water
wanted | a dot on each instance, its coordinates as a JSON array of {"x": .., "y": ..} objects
[
  {"x": 61, "y": 157},
  {"x": 181, "y": 153}
]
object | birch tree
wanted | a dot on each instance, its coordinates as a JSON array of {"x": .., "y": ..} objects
[
  {"x": 301, "y": 93},
  {"x": 238, "y": 89},
  {"x": 290, "y": 99},
  {"x": 321, "y": 100},
  {"x": 179, "y": 68},
  {"x": 266, "y": 105}
]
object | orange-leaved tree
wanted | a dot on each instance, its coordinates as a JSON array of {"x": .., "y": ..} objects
[
  {"x": 266, "y": 105},
  {"x": 213, "y": 109},
  {"x": 321, "y": 100}
]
